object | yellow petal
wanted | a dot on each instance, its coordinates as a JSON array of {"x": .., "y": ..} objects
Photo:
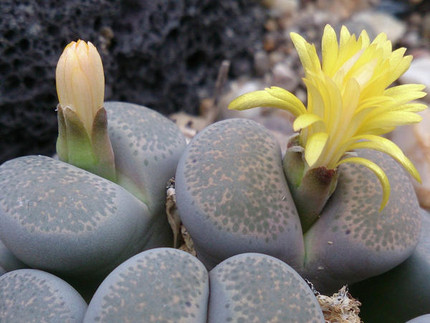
[
  {"x": 307, "y": 53},
  {"x": 374, "y": 102},
  {"x": 265, "y": 99},
  {"x": 386, "y": 146},
  {"x": 413, "y": 107},
  {"x": 364, "y": 37},
  {"x": 329, "y": 49},
  {"x": 314, "y": 146},
  {"x": 406, "y": 92},
  {"x": 399, "y": 65},
  {"x": 380, "y": 39},
  {"x": 349, "y": 49},
  {"x": 315, "y": 100},
  {"x": 349, "y": 103},
  {"x": 305, "y": 120},
  {"x": 375, "y": 86},
  {"x": 288, "y": 97},
  {"x": 389, "y": 120},
  {"x": 344, "y": 36},
  {"x": 382, "y": 177}
]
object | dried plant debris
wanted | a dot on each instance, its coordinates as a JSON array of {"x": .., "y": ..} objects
[
  {"x": 188, "y": 244},
  {"x": 181, "y": 237},
  {"x": 341, "y": 307},
  {"x": 172, "y": 212},
  {"x": 189, "y": 124}
]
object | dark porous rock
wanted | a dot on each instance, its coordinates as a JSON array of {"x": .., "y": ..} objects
[
  {"x": 158, "y": 53},
  {"x": 32, "y": 37},
  {"x": 30, "y": 295}
]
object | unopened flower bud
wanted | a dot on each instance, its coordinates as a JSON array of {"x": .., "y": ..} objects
[
  {"x": 83, "y": 138},
  {"x": 80, "y": 81}
]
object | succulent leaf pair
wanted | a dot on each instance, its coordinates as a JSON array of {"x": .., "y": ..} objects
[
  {"x": 87, "y": 220},
  {"x": 60, "y": 218},
  {"x": 233, "y": 197},
  {"x": 167, "y": 285},
  {"x": 317, "y": 208}
]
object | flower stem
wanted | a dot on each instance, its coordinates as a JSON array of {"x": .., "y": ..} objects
[
  {"x": 90, "y": 152},
  {"x": 310, "y": 187}
]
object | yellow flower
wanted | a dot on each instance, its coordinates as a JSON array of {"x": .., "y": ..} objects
[
  {"x": 80, "y": 81},
  {"x": 349, "y": 104}
]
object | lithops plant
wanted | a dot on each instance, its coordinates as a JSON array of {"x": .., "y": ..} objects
[
  {"x": 169, "y": 285},
  {"x": 103, "y": 200},
  {"x": 29, "y": 295},
  {"x": 253, "y": 287},
  {"x": 160, "y": 285},
  {"x": 320, "y": 208},
  {"x": 64, "y": 219},
  {"x": 232, "y": 196},
  {"x": 403, "y": 292}
]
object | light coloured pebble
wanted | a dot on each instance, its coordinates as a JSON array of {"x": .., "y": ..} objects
[
  {"x": 411, "y": 39},
  {"x": 281, "y": 7},
  {"x": 276, "y": 57},
  {"x": 284, "y": 76},
  {"x": 261, "y": 62},
  {"x": 382, "y": 22},
  {"x": 343, "y": 8},
  {"x": 418, "y": 72},
  {"x": 414, "y": 140}
]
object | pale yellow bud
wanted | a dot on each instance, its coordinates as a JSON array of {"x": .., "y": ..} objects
[{"x": 80, "y": 81}]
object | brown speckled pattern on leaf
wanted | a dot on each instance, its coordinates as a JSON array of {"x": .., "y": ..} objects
[
  {"x": 160, "y": 285},
  {"x": 30, "y": 295},
  {"x": 143, "y": 130},
  {"x": 33, "y": 201},
  {"x": 248, "y": 168},
  {"x": 396, "y": 227},
  {"x": 147, "y": 147},
  {"x": 57, "y": 217},
  {"x": 352, "y": 240},
  {"x": 232, "y": 195},
  {"x": 257, "y": 288}
]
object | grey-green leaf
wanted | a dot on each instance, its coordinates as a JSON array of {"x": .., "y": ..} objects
[
  {"x": 259, "y": 288},
  {"x": 352, "y": 240},
  {"x": 60, "y": 218},
  {"x": 147, "y": 147},
  {"x": 30, "y": 295},
  {"x": 159, "y": 285},
  {"x": 232, "y": 195}
]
